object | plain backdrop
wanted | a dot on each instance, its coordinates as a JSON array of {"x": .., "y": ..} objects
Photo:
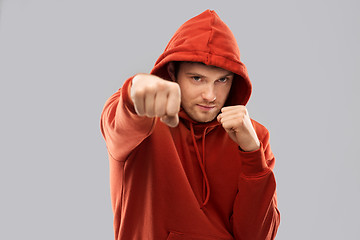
[{"x": 61, "y": 60}]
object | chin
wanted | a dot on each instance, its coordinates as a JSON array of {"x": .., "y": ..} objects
[{"x": 203, "y": 119}]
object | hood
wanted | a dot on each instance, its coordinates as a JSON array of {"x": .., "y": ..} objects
[{"x": 207, "y": 39}]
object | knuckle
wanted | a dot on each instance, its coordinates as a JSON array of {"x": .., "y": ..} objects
[
  {"x": 160, "y": 111},
  {"x": 174, "y": 87},
  {"x": 161, "y": 85},
  {"x": 150, "y": 113},
  {"x": 149, "y": 89},
  {"x": 137, "y": 93}
]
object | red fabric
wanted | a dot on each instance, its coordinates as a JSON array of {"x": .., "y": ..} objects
[{"x": 192, "y": 181}]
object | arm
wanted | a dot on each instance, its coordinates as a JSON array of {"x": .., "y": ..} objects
[
  {"x": 130, "y": 114},
  {"x": 128, "y": 117},
  {"x": 121, "y": 127},
  {"x": 255, "y": 214}
]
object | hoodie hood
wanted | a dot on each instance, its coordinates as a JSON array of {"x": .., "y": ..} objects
[{"x": 207, "y": 39}]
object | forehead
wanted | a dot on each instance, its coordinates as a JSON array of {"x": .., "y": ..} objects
[{"x": 195, "y": 67}]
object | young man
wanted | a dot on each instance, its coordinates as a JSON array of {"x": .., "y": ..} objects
[{"x": 186, "y": 160}]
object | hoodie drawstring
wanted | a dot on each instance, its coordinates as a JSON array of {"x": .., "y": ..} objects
[{"x": 206, "y": 186}]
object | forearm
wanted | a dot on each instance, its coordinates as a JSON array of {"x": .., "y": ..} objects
[
  {"x": 121, "y": 127},
  {"x": 255, "y": 213}
]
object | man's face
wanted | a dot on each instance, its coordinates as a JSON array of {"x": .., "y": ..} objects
[{"x": 204, "y": 89}]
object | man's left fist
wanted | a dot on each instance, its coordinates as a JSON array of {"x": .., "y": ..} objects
[{"x": 236, "y": 122}]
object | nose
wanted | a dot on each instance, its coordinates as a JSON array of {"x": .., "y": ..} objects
[{"x": 208, "y": 93}]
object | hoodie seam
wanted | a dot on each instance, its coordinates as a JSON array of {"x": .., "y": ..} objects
[{"x": 210, "y": 38}]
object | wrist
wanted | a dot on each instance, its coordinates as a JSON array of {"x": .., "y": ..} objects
[{"x": 250, "y": 148}]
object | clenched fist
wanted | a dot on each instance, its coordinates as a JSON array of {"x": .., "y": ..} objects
[
  {"x": 236, "y": 122},
  {"x": 155, "y": 97}
]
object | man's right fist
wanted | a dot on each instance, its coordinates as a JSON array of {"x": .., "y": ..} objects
[{"x": 155, "y": 97}]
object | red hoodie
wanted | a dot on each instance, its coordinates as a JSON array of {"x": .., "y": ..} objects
[{"x": 191, "y": 181}]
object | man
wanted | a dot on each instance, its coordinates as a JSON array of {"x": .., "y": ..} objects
[{"x": 186, "y": 160}]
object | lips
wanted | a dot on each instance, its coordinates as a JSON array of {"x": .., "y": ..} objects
[{"x": 206, "y": 107}]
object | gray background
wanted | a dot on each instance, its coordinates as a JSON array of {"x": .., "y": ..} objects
[{"x": 61, "y": 60}]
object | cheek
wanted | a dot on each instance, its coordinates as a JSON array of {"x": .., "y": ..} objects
[{"x": 223, "y": 92}]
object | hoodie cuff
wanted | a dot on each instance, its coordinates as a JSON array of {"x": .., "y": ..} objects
[
  {"x": 125, "y": 92},
  {"x": 254, "y": 163}
]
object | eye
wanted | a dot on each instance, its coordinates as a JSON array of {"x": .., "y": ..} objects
[
  {"x": 196, "y": 78},
  {"x": 223, "y": 80}
]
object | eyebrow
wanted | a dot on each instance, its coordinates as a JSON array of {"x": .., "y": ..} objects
[
  {"x": 197, "y": 74},
  {"x": 200, "y": 75}
]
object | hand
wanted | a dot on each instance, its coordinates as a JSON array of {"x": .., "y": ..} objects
[
  {"x": 236, "y": 122},
  {"x": 155, "y": 97}
]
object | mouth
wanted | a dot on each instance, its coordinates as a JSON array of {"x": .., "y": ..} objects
[{"x": 205, "y": 107}]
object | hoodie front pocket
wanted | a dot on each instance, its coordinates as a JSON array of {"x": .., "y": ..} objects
[{"x": 189, "y": 236}]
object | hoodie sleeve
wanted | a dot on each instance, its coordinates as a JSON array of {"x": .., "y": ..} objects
[
  {"x": 121, "y": 127},
  {"x": 255, "y": 214}
]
